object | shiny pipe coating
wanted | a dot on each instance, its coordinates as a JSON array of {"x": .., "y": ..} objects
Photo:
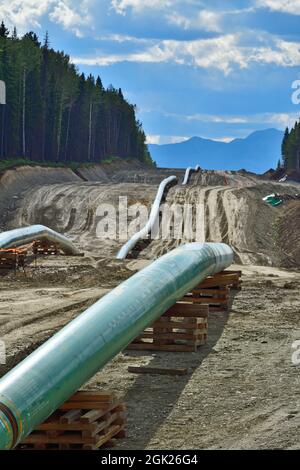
[
  {"x": 24, "y": 235},
  {"x": 34, "y": 389}
]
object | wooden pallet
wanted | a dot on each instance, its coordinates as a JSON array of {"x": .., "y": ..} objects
[
  {"x": 182, "y": 328},
  {"x": 215, "y": 290},
  {"x": 88, "y": 421},
  {"x": 226, "y": 278},
  {"x": 12, "y": 259},
  {"x": 44, "y": 248},
  {"x": 217, "y": 298}
]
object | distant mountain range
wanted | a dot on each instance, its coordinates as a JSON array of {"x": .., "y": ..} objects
[{"x": 258, "y": 153}]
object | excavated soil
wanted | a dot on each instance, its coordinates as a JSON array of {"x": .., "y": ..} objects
[
  {"x": 288, "y": 229},
  {"x": 242, "y": 389}
]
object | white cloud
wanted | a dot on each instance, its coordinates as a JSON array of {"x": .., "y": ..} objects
[
  {"x": 138, "y": 6},
  {"x": 203, "y": 20},
  {"x": 70, "y": 17},
  {"x": 165, "y": 139},
  {"x": 216, "y": 119},
  {"x": 24, "y": 14},
  {"x": 269, "y": 119},
  {"x": 285, "y": 6},
  {"x": 222, "y": 53},
  {"x": 226, "y": 140},
  {"x": 121, "y": 38},
  {"x": 27, "y": 14}
]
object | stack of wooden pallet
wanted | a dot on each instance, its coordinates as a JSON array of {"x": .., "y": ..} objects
[
  {"x": 182, "y": 328},
  {"x": 13, "y": 258},
  {"x": 88, "y": 421},
  {"x": 44, "y": 247},
  {"x": 227, "y": 278},
  {"x": 215, "y": 290}
]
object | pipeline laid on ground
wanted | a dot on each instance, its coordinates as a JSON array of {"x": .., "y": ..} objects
[
  {"x": 188, "y": 172},
  {"x": 24, "y": 235},
  {"x": 123, "y": 252},
  {"x": 34, "y": 389}
]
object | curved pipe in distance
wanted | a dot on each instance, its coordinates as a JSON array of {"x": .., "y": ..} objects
[
  {"x": 188, "y": 172},
  {"x": 24, "y": 235},
  {"x": 49, "y": 376},
  {"x": 123, "y": 252}
]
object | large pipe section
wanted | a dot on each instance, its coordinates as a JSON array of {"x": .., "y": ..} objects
[
  {"x": 188, "y": 172},
  {"x": 24, "y": 235},
  {"x": 34, "y": 389},
  {"x": 123, "y": 252}
]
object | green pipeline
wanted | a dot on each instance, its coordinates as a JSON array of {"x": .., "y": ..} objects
[{"x": 35, "y": 388}]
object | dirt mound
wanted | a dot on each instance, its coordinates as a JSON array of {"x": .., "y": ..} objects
[
  {"x": 76, "y": 210},
  {"x": 233, "y": 214},
  {"x": 232, "y": 209},
  {"x": 13, "y": 183},
  {"x": 288, "y": 227}
]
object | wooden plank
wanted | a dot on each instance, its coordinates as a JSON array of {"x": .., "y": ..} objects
[
  {"x": 206, "y": 300},
  {"x": 74, "y": 438},
  {"x": 56, "y": 426},
  {"x": 214, "y": 292},
  {"x": 96, "y": 405},
  {"x": 157, "y": 370},
  {"x": 187, "y": 310},
  {"x": 111, "y": 418},
  {"x": 70, "y": 416},
  {"x": 219, "y": 280},
  {"x": 85, "y": 395},
  {"x": 185, "y": 323},
  {"x": 171, "y": 336},
  {"x": 113, "y": 431},
  {"x": 94, "y": 415},
  {"x": 230, "y": 271},
  {"x": 161, "y": 347}
]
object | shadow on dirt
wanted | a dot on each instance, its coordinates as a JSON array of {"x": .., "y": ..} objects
[{"x": 156, "y": 398}]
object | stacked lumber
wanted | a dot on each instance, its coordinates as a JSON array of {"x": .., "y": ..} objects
[
  {"x": 13, "y": 258},
  {"x": 216, "y": 298},
  {"x": 44, "y": 247},
  {"x": 226, "y": 278},
  {"x": 215, "y": 290},
  {"x": 181, "y": 328},
  {"x": 88, "y": 421},
  {"x": 184, "y": 326}
]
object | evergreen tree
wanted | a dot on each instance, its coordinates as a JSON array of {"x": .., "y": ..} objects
[
  {"x": 4, "y": 33},
  {"x": 291, "y": 148},
  {"x": 55, "y": 114}
]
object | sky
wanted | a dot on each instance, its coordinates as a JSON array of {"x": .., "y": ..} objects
[{"x": 216, "y": 69}]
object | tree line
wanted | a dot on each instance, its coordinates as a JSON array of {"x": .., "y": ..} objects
[
  {"x": 55, "y": 114},
  {"x": 291, "y": 148}
]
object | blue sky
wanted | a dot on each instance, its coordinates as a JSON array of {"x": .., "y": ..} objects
[{"x": 216, "y": 69}]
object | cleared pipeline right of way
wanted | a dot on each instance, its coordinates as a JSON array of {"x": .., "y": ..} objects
[{"x": 49, "y": 376}]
